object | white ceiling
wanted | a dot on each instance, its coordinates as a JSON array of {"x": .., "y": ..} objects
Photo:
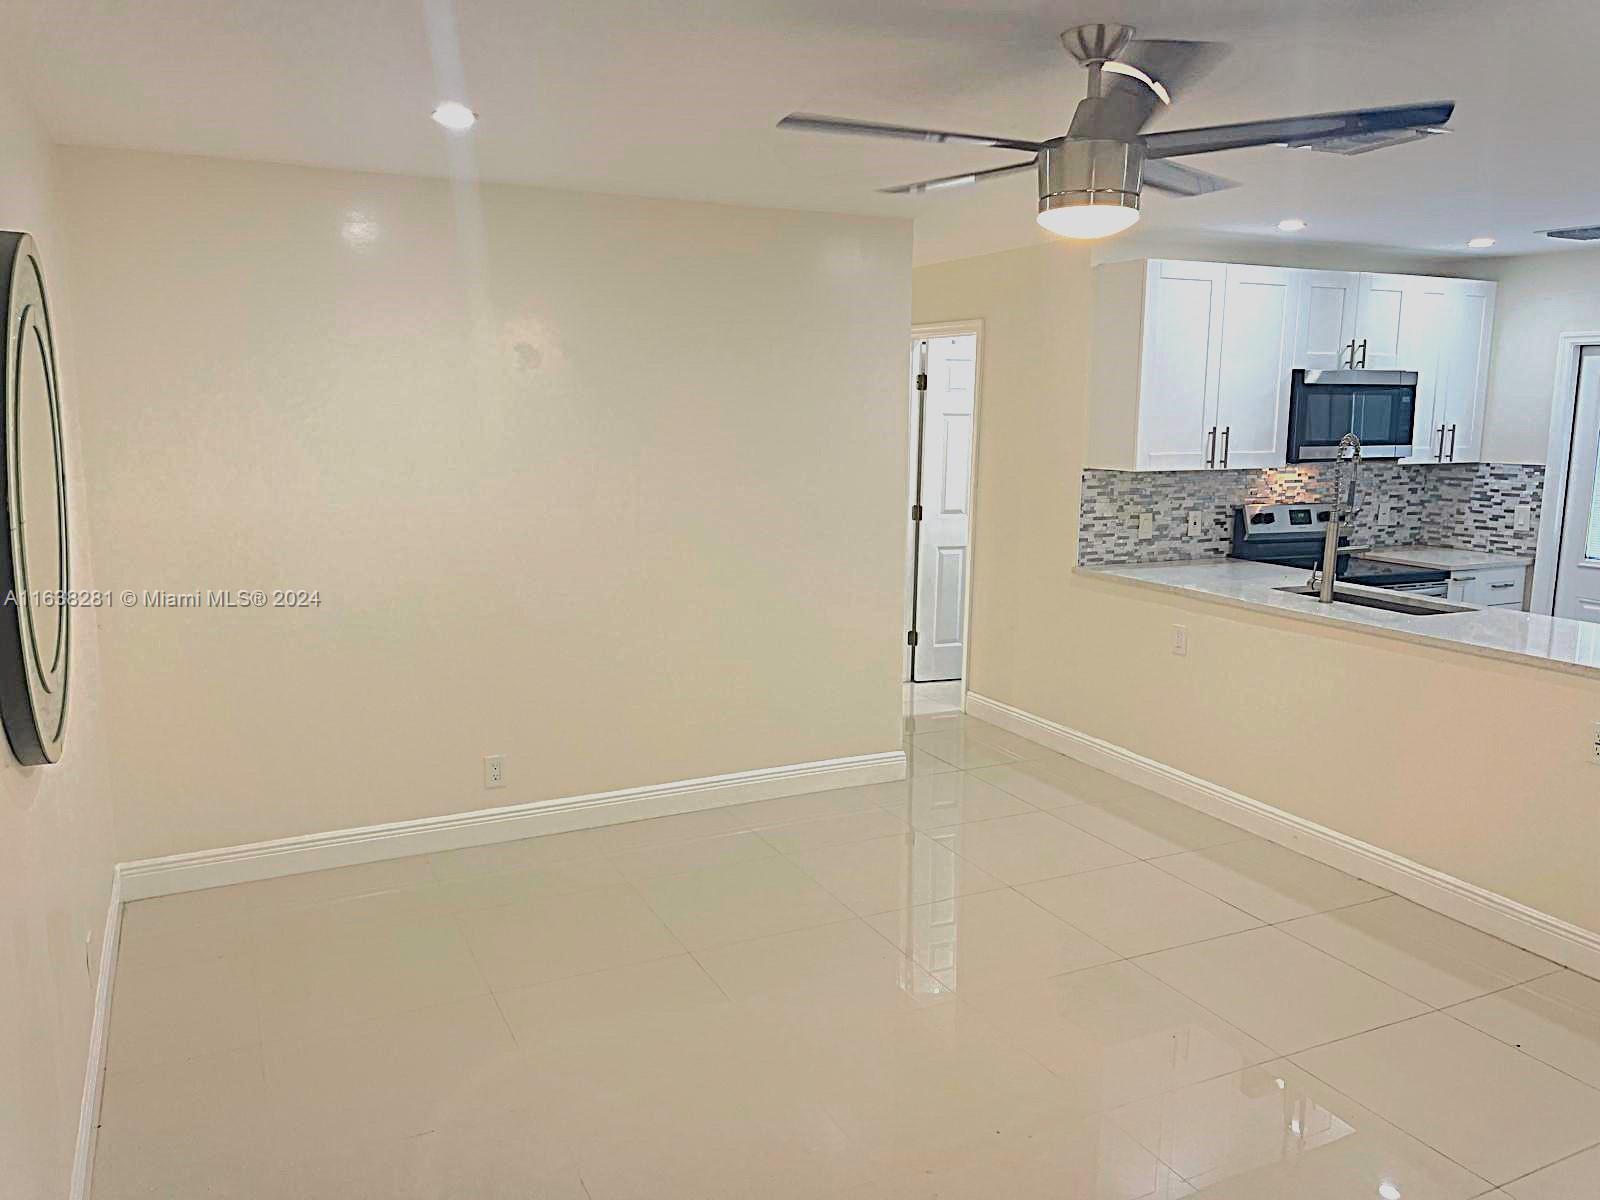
[{"x": 679, "y": 97}]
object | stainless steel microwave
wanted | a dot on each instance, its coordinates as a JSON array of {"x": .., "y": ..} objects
[{"x": 1379, "y": 407}]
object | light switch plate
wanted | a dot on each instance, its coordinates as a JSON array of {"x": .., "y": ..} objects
[
  {"x": 1180, "y": 640},
  {"x": 1386, "y": 513},
  {"x": 1197, "y": 524},
  {"x": 1524, "y": 518},
  {"x": 1147, "y": 526}
]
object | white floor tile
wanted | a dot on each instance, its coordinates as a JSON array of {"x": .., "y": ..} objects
[
  {"x": 1424, "y": 954},
  {"x": 1555, "y": 1018},
  {"x": 1116, "y": 1034},
  {"x": 717, "y": 905},
  {"x": 900, "y": 871},
  {"x": 939, "y": 801},
  {"x": 166, "y": 1013},
  {"x": 834, "y": 831},
  {"x": 1148, "y": 826},
  {"x": 1268, "y": 881},
  {"x": 1275, "y": 1133},
  {"x": 1493, "y": 1109},
  {"x": 1279, "y": 990},
  {"x": 989, "y": 939},
  {"x": 554, "y": 937},
  {"x": 1030, "y": 847},
  {"x": 1136, "y": 909},
  {"x": 1575, "y": 1178}
]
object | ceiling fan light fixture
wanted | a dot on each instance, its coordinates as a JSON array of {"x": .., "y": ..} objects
[
  {"x": 1089, "y": 188},
  {"x": 1087, "y": 217}
]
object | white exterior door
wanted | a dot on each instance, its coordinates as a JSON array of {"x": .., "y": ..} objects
[
  {"x": 1327, "y": 319},
  {"x": 1578, "y": 567},
  {"x": 1258, "y": 337},
  {"x": 1182, "y": 354},
  {"x": 939, "y": 608}
]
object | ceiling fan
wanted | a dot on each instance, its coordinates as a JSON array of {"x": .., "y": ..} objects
[{"x": 1091, "y": 177}]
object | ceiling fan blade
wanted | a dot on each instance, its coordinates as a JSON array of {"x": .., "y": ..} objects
[
  {"x": 1320, "y": 127},
  {"x": 1176, "y": 179},
  {"x": 954, "y": 181},
  {"x": 812, "y": 123}
]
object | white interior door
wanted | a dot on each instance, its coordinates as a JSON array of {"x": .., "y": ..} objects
[
  {"x": 1578, "y": 568},
  {"x": 939, "y": 609}
]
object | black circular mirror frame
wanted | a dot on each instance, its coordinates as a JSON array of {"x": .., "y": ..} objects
[{"x": 36, "y": 616}]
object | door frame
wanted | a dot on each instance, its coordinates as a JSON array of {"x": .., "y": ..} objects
[
  {"x": 973, "y": 326},
  {"x": 1557, "y": 468}
]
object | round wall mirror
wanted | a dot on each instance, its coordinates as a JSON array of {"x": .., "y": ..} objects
[{"x": 36, "y": 618}]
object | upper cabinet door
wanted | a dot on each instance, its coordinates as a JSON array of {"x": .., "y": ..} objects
[
  {"x": 1381, "y": 320},
  {"x": 1467, "y": 325},
  {"x": 1327, "y": 319},
  {"x": 1420, "y": 339},
  {"x": 1259, "y": 321},
  {"x": 1181, "y": 354}
]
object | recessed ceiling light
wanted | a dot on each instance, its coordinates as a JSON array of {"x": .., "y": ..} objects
[
  {"x": 1480, "y": 243},
  {"x": 455, "y": 116},
  {"x": 1291, "y": 225},
  {"x": 1388, "y": 1191}
]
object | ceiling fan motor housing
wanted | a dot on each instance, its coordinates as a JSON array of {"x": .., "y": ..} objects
[{"x": 1075, "y": 172}]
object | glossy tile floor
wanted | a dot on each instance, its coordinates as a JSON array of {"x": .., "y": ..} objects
[{"x": 1008, "y": 977}]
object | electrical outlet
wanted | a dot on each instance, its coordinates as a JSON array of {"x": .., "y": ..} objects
[
  {"x": 1524, "y": 518},
  {"x": 1197, "y": 524},
  {"x": 494, "y": 770},
  {"x": 1386, "y": 513},
  {"x": 1147, "y": 526},
  {"x": 1594, "y": 747},
  {"x": 1180, "y": 644}
]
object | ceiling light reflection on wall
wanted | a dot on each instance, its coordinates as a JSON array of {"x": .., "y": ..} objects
[
  {"x": 1480, "y": 243},
  {"x": 1291, "y": 225},
  {"x": 455, "y": 116}
]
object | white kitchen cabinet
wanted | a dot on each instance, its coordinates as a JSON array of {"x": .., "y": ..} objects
[
  {"x": 1326, "y": 324},
  {"x": 1450, "y": 352},
  {"x": 1489, "y": 587},
  {"x": 1259, "y": 316},
  {"x": 1191, "y": 361},
  {"x": 1191, "y": 365},
  {"x": 1180, "y": 359},
  {"x": 1384, "y": 318}
]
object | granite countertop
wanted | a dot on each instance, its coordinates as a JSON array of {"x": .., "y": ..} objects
[
  {"x": 1445, "y": 559},
  {"x": 1528, "y": 638}
]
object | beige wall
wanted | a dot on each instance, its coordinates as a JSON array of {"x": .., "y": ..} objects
[
  {"x": 1474, "y": 767},
  {"x": 55, "y": 822},
  {"x": 611, "y": 486},
  {"x": 1541, "y": 297}
]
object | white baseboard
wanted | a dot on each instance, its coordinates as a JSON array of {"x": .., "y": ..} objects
[
  {"x": 347, "y": 847},
  {"x": 1532, "y": 930},
  {"x": 94, "y": 1071}
]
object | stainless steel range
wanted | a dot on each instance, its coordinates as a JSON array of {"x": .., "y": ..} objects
[{"x": 1290, "y": 535}]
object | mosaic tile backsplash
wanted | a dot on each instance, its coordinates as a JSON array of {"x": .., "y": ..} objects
[{"x": 1465, "y": 505}]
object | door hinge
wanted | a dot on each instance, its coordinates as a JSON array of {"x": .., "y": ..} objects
[
  {"x": 911, "y": 637},
  {"x": 916, "y": 512},
  {"x": 922, "y": 381}
]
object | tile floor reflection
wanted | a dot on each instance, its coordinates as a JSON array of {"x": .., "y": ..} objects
[{"x": 1007, "y": 976}]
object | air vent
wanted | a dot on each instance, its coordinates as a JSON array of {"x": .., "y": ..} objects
[{"x": 1579, "y": 233}]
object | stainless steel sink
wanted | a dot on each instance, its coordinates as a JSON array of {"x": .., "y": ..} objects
[{"x": 1410, "y": 605}]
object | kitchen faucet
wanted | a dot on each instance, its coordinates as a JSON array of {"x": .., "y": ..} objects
[{"x": 1343, "y": 508}]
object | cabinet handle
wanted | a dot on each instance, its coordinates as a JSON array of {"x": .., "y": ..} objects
[
  {"x": 1452, "y": 443},
  {"x": 1211, "y": 447},
  {"x": 1463, "y": 578},
  {"x": 1227, "y": 431},
  {"x": 1506, "y": 584},
  {"x": 1350, "y": 356},
  {"x": 1441, "y": 444},
  {"x": 1363, "y": 354}
]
